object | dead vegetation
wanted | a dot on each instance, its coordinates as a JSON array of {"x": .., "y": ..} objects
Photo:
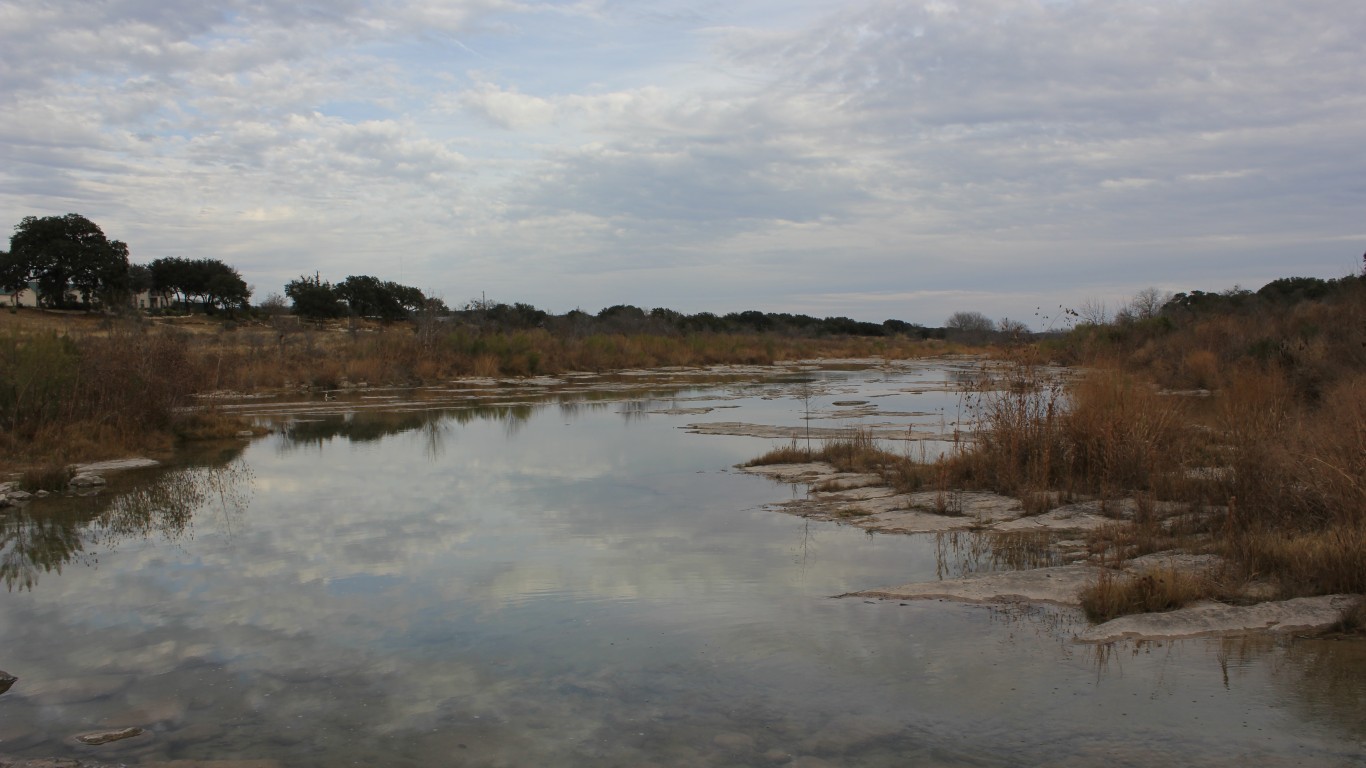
[
  {"x": 1155, "y": 590},
  {"x": 1236, "y": 433},
  {"x": 76, "y": 387}
]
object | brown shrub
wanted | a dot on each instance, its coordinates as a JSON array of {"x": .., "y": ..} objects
[
  {"x": 1200, "y": 368},
  {"x": 1319, "y": 562},
  {"x": 1155, "y": 590}
]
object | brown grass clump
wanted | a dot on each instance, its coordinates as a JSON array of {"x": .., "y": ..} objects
[
  {"x": 1317, "y": 562},
  {"x": 1019, "y": 439},
  {"x": 45, "y": 478},
  {"x": 65, "y": 399},
  {"x": 1104, "y": 433},
  {"x": 1153, "y": 591},
  {"x": 208, "y": 425},
  {"x": 1353, "y": 620},
  {"x": 854, "y": 452},
  {"x": 784, "y": 454}
]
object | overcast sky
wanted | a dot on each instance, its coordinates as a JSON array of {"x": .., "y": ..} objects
[{"x": 869, "y": 159}]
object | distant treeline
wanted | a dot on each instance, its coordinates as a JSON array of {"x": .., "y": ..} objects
[
  {"x": 1282, "y": 292},
  {"x": 625, "y": 318},
  {"x": 365, "y": 296}
]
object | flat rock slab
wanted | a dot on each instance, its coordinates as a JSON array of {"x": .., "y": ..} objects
[
  {"x": 1209, "y": 619},
  {"x": 1070, "y": 518},
  {"x": 810, "y": 472},
  {"x": 115, "y": 466},
  {"x": 1059, "y": 585},
  {"x": 865, "y": 502},
  {"x": 216, "y": 764},
  {"x": 774, "y": 432},
  {"x": 903, "y": 520}
]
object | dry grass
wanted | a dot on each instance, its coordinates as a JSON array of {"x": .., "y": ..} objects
[
  {"x": 1316, "y": 562},
  {"x": 45, "y": 478},
  {"x": 1278, "y": 446},
  {"x": 1155, "y": 590},
  {"x": 783, "y": 454},
  {"x": 1353, "y": 619},
  {"x": 855, "y": 452},
  {"x": 76, "y": 387}
]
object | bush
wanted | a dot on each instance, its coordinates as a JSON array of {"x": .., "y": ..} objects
[{"x": 1155, "y": 590}]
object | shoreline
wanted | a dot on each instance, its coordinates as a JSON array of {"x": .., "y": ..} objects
[{"x": 865, "y": 501}]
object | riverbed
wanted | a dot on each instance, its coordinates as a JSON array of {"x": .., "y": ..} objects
[{"x": 571, "y": 572}]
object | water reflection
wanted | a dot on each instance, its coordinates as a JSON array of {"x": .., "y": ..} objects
[
  {"x": 367, "y": 427},
  {"x": 32, "y": 545},
  {"x": 583, "y": 590},
  {"x": 963, "y": 553},
  {"x": 43, "y": 537},
  {"x": 363, "y": 420}
]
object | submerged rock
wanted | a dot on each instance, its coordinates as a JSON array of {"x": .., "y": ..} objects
[
  {"x": 104, "y": 737},
  {"x": 76, "y": 690},
  {"x": 6, "y": 680}
]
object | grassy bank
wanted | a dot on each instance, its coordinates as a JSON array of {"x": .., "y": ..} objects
[
  {"x": 76, "y": 387},
  {"x": 1240, "y": 432}
]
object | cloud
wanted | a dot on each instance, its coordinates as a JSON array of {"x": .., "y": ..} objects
[
  {"x": 508, "y": 108},
  {"x": 933, "y": 146}
]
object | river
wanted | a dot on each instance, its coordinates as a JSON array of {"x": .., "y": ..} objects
[{"x": 561, "y": 573}]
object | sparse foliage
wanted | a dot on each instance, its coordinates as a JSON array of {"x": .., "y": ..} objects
[{"x": 1093, "y": 312}]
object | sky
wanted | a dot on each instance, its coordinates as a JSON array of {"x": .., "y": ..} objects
[{"x": 864, "y": 159}]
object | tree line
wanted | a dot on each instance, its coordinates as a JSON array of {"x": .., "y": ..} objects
[
  {"x": 358, "y": 296},
  {"x": 70, "y": 262}
]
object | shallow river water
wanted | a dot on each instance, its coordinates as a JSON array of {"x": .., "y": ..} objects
[{"x": 560, "y": 574}]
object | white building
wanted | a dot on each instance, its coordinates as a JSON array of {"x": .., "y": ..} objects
[{"x": 28, "y": 297}]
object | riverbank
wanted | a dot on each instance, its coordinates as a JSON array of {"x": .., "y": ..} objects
[
  {"x": 78, "y": 387},
  {"x": 1053, "y": 557}
]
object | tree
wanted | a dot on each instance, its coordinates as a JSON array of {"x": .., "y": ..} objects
[
  {"x": 139, "y": 278},
  {"x": 969, "y": 321},
  {"x": 224, "y": 287},
  {"x": 1092, "y": 312},
  {"x": 12, "y": 275},
  {"x": 208, "y": 281},
  {"x": 368, "y": 296},
  {"x": 972, "y": 327},
  {"x": 1145, "y": 305},
  {"x": 314, "y": 298},
  {"x": 1012, "y": 329},
  {"x": 68, "y": 256},
  {"x": 273, "y": 304}
]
